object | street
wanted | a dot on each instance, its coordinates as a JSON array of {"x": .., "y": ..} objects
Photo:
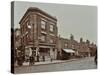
[{"x": 79, "y": 64}]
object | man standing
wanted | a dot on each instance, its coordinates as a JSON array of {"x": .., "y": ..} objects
[{"x": 95, "y": 59}]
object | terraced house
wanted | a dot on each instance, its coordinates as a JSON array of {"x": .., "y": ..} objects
[{"x": 70, "y": 48}]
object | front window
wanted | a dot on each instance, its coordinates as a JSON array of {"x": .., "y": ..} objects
[
  {"x": 17, "y": 33},
  {"x": 51, "y": 28},
  {"x": 43, "y": 24},
  {"x": 28, "y": 25},
  {"x": 72, "y": 46},
  {"x": 65, "y": 45},
  {"x": 43, "y": 38},
  {"x": 51, "y": 40}
]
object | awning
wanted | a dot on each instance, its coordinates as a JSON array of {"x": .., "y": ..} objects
[{"x": 69, "y": 50}]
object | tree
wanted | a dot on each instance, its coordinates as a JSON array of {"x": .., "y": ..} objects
[
  {"x": 71, "y": 37},
  {"x": 81, "y": 40}
]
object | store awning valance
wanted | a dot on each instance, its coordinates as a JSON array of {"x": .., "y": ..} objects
[{"x": 69, "y": 50}]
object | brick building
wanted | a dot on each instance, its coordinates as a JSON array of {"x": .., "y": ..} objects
[
  {"x": 17, "y": 42},
  {"x": 81, "y": 48},
  {"x": 17, "y": 38},
  {"x": 67, "y": 46},
  {"x": 39, "y": 34},
  {"x": 39, "y": 37},
  {"x": 18, "y": 53},
  {"x": 93, "y": 49}
]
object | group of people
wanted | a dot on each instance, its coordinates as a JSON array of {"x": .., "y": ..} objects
[{"x": 32, "y": 59}]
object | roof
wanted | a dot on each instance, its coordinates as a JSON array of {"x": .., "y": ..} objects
[{"x": 38, "y": 10}]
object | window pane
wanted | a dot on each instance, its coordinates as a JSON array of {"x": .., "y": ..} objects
[
  {"x": 66, "y": 45},
  {"x": 51, "y": 40},
  {"x": 43, "y": 24},
  {"x": 51, "y": 27},
  {"x": 43, "y": 37}
]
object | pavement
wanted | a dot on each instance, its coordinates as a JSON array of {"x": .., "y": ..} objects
[
  {"x": 47, "y": 62},
  {"x": 53, "y": 62}
]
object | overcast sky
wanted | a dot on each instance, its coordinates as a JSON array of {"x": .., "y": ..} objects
[{"x": 79, "y": 20}]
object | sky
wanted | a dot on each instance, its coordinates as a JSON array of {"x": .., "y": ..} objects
[{"x": 79, "y": 20}]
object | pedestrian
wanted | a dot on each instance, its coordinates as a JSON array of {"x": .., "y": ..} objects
[
  {"x": 20, "y": 61},
  {"x": 43, "y": 57},
  {"x": 95, "y": 58},
  {"x": 51, "y": 59},
  {"x": 37, "y": 58},
  {"x": 31, "y": 60}
]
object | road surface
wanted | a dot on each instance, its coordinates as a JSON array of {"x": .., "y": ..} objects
[{"x": 79, "y": 64}]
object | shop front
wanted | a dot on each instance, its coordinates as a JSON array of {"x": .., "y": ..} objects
[
  {"x": 67, "y": 54},
  {"x": 46, "y": 53},
  {"x": 40, "y": 53}
]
